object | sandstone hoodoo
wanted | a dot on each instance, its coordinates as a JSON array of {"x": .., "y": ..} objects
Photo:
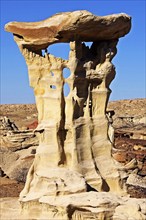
[{"x": 74, "y": 152}]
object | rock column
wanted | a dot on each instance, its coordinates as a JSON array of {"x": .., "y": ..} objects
[{"x": 74, "y": 152}]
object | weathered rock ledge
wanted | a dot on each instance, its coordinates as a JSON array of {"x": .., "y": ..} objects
[{"x": 91, "y": 205}]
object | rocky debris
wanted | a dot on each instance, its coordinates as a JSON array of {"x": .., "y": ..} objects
[
  {"x": 136, "y": 191},
  {"x": 129, "y": 113},
  {"x": 128, "y": 121},
  {"x": 6, "y": 125},
  {"x": 126, "y": 149},
  {"x": 16, "y": 140},
  {"x": 132, "y": 133},
  {"x": 12, "y": 138},
  {"x": 136, "y": 180},
  {"x": 136, "y": 184},
  {"x": 132, "y": 154}
]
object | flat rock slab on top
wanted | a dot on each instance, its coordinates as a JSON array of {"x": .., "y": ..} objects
[{"x": 70, "y": 26}]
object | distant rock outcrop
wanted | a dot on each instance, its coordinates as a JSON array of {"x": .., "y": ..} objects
[
  {"x": 6, "y": 125},
  {"x": 17, "y": 148}
]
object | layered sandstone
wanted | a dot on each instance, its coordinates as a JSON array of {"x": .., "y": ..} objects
[
  {"x": 74, "y": 132},
  {"x": 17, "y": 147}
]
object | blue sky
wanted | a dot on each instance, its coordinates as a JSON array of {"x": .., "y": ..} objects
[{"x": 129, "y": 61}]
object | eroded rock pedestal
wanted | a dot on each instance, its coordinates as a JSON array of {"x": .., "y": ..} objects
[{"x": 74, "y": 152}]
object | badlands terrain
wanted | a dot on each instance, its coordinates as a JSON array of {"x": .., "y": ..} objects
[{"x": 19, "y": 143}]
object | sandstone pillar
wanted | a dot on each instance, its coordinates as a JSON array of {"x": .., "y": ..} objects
[{"x": 74, "y": 152}]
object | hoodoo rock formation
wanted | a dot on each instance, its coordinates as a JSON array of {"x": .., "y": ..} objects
[{"x": 74, "y": 152}]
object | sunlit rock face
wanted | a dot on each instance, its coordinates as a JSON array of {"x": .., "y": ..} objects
[
  {"x": 74, "y": 152},
  {"x": 70, "y": 26}
]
